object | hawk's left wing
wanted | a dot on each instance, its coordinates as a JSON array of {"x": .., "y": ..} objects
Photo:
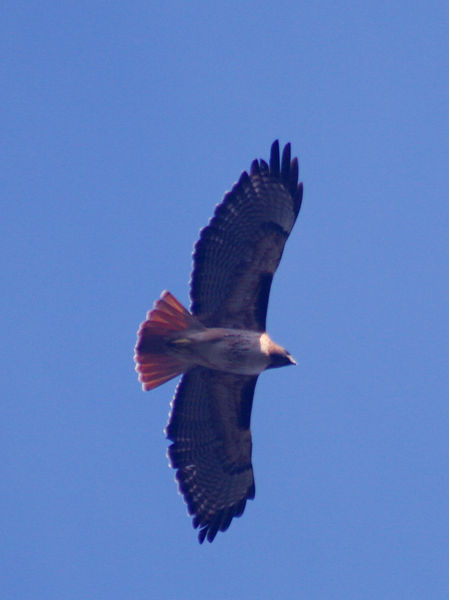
[
  {"x": 239, "y": 251},
  {"x": 210, "y": 428}
]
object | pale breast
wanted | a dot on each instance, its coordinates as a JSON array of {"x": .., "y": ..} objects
[{"x": 230, "y": 350}]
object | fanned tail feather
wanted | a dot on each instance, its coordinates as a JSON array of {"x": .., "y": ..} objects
[
  {"x": 153, "y": 373},
  {"x": 154, "y": 363}
]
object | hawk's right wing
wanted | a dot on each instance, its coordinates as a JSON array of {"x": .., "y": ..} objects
[{"x": 210, "y": 428}]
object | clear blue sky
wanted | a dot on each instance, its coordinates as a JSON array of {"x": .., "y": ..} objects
[{"x": 123, "y": 125}]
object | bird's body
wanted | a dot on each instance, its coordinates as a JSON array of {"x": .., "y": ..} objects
[
  {"x": 221, "y": 346},
  {"x": 231, "y": 350},
  {"x": 236, "y": 351}
]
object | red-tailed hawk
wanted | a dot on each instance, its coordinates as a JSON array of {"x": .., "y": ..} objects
[{"x": 221, "y": 345}]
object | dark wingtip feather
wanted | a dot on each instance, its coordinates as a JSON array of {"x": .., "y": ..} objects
[
  {"x": 293, "y": 179},
  {"x": 226, "y": 520},
  {"x": 244, "y": 179},
  {"x": 264, "y": 168},
  {"x": 285, "y": 168},
  {"x": 255, "y": 170},
  {"x": 212, "y": 531},
  {"x": 274, "y": 159},
  {"x": 239, "y": 508}
]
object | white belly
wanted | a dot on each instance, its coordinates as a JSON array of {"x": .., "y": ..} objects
[{"x": 231, "y": 350}]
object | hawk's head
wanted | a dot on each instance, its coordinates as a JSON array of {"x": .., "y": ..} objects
[{"x": 280, "y": 358}]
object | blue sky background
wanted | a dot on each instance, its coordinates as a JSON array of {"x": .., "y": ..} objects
[{"x": 123, "y": 125}]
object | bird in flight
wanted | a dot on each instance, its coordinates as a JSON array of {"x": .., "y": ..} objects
[{"x": 221, "y": 345}]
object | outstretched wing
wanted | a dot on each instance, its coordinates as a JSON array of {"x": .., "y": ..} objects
[
  {"x": 239, "y": 251},
  {"x": 209, "y": 425}
]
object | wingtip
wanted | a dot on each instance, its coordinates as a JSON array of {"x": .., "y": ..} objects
[
  {"x": 286, "y": 164},
  {"x": 255, "y": 168},
  {"x": 274, "y": 159}
]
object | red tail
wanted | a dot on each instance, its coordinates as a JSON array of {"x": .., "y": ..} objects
[{"x": 154, "y": 364}]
